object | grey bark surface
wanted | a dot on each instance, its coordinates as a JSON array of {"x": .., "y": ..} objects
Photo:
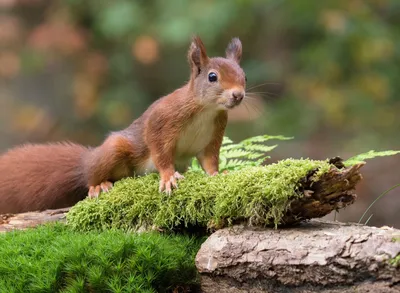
[
  {"x": 9, "y": 222},
  {"x": 317, "y": 256}
]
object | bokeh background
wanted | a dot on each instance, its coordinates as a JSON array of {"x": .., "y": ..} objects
[{"x": 326, "y": 72}]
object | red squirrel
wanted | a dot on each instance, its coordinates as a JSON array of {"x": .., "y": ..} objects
[{"x": 189, "y": 122}]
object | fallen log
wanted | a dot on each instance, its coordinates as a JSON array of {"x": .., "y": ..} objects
[
  {"x": 279, "y": 194},
  {"x": 333, "y": 191},
  {"x": 317, "y": 256},
  {"x": 239, "y": 197},
  {"x": 9, "y": 222}
]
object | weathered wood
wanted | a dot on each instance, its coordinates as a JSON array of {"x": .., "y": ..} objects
[
  {"x": 316, "y": 256},
  {"x": 22, "y": 221},
  {"x": 333, "y": 191}
]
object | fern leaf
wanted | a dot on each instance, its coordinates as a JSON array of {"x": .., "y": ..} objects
[
  {"x": 260, "y": 161},
  {"x": 195, "y": 165},
  {"x": 249, "y": 152},
  {"x": 222, "y": 162},
  {"x": 257, "y": 155},
  {"x": 259, "y": 147},
  {"x": 368, "y": 155},
  {"x": 230, "y": 147},
  {"x": 226, "y": 140},
  {"x": 263, "y": 138},
  {"x": 235, "y": 163},
  {"x": 236, "y": 154}
]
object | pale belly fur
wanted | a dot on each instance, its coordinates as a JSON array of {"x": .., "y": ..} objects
[{"x": 193, "y": 139}]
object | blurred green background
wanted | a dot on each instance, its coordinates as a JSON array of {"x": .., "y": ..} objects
[{"x": 325, "y": 72}]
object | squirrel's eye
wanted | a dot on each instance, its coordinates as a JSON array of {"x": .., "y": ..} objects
[{"x": 212, "y": 77}]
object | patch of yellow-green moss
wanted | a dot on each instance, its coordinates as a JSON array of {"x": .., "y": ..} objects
[
  {"x": 53, "y": 258},
  {"x": 259, "y": 195},
  {"x": 396, "y": 260}
]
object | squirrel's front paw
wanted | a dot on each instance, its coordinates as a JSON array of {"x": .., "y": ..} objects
[
  {"x": 166, "y": 184},
  {"x": 94, "y": 191}
]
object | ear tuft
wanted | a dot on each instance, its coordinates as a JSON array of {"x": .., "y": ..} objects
[
  {"x": 197, "y": 54},
  {"x": 234, "y": 50}
]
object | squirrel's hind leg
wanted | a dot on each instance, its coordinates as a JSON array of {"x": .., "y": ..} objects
[{"x": 111, "y": 161}]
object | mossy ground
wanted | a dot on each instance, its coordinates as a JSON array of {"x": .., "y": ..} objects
[
  {"x": 396, "y": 260},
  {"x": 53, "y": 258},
  {"x": 258, "y": 195}
]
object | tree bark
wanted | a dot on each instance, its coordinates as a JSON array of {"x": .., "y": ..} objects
[
  {"x": 317, "y": 256},
  {"x": 334, "y": 190},
  {"x": 9, "y": 222}
]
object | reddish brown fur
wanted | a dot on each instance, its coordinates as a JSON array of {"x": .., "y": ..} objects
[
  {"x": 37, "y": 177},
  {"x": 188, "y": 122},
  {"x": 230, "y": 79},
  {"x": 209, "y": 158},
  {"x": 103, "y": 165}
]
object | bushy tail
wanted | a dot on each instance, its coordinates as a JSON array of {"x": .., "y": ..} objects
[{"x": 38, "y": 177}]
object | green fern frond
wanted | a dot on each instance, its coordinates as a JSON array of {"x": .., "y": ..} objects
[
  {"x": 195, "y": 165},
  {"x": 260, "y": 161},
  {"x": 235, "y": 164},
  {"x": 368, "y": 155},
  {"x": 249, "y": 152},
  {"x": 226, "y": 140},
  {"x": 236, "y": 153},
  {"x": 232, "y": 146},
  {"x": 259, "y": 147},
  {"x": 256, "y": 156},
  {"x": 264, "y": 138}
]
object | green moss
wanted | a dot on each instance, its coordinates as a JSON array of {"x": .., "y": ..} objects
[
  {"x": 259, "y": 195},
  {"x": 53, "y": 258},
  {"x": 395, "y": 261}
]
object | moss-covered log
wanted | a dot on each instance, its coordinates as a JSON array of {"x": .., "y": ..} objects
[
  {"x": 282, "y": 194},
  {"x": 333, "y": 191},
  {"x": 278, "y": 194}
]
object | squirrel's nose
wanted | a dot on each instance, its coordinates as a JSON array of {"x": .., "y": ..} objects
[{"x": 238, "y": 96}]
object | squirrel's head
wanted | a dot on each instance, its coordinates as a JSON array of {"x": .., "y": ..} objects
[{"x": 217, "y": 81}]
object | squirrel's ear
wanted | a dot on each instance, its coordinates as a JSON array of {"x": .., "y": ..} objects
[
  {"x": 234, "y": 50},
  {"x": 197, "y": 55}
]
